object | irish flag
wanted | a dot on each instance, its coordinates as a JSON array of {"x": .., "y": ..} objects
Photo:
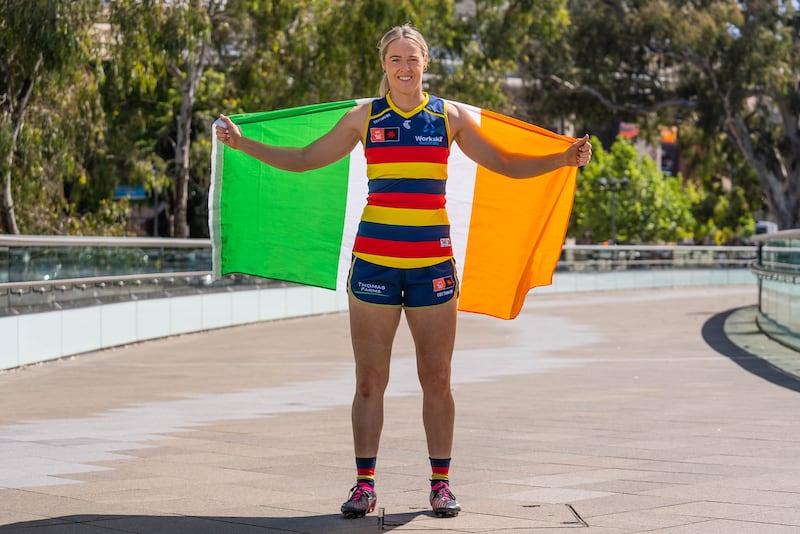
[{"x": 506, "y": 233}]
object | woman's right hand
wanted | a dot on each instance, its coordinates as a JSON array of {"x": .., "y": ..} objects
[{"x": 227, "y": 132}]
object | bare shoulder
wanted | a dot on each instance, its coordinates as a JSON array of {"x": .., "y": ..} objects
[
  {"x": 356, "y": 118},
  {"x": 459, "y": 118},
  {"x": 454, "y": 111},
  {"x": 350, "y": 128},
  {"x": 359, "y": 113}
]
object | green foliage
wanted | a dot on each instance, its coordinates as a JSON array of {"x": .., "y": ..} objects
[
  {"x": 727, "y": 68},
  {"x": 500, "y": 40},
  {"x": 109, "y": 100},
  {"x": 731, "y": 198},
  {"x": 166, "y": 46},
  {"x": 49, "y": 112},
  {"x": 290, "y": 53},
  {"x": 44, "y": 32},
  {"x": 650, "y": 208},
  {"x": 59, "y": 151}
]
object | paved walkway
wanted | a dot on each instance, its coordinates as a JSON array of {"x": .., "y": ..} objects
[{"x": 619, "y": 412}]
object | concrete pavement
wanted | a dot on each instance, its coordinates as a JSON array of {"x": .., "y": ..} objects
[{"x": 632, "y": 411}]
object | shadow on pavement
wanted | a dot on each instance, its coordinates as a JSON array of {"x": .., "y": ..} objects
[
  {"x": 715, "y": 336},
  {"x": 176, "y": 524}
]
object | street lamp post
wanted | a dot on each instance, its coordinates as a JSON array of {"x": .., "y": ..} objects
[{"x": 613, "y": 185}]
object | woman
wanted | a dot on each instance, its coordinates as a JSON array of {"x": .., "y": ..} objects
[{"x": 402, "y": 260}]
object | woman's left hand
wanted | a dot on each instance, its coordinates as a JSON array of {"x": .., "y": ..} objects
[{"x": 579, "y": 153}]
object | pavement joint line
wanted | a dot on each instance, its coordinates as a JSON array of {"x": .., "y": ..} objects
[{"x": 577, "y": 515}]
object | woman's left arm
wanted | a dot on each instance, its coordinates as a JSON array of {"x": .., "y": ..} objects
[{"x": 495, "y": 157}]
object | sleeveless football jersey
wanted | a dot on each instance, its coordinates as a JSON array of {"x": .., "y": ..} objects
[{"x": 404, "y": 223}]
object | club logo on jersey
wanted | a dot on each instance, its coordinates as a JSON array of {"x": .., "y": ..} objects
[
  {"x": 444, "y": 283},
  {"x": 384, "y": 135}
]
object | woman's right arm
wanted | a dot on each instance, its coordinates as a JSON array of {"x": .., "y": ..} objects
[{"x": 328, "y": 149}]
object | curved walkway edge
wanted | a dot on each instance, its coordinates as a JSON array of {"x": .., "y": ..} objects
[{"x": 742, "y": 331}]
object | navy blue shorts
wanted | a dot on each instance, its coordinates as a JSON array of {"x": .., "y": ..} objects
[{"x": 412, "y": 288}]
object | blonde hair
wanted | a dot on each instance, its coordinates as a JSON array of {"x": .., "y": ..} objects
[{"x": 398, "y": 32}]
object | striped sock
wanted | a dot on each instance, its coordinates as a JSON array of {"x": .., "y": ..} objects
[
  {"x": 440, "y": 470},
  {"x": 365, "y": 471}
]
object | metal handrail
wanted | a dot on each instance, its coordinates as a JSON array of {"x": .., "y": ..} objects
[
  {"x": 100, "y": 241},
  {"x": 774, "y": 274},
  {"x": 793, "y": 233},
  {"x": 30, "y": 289},
  {"x": 98, "y": 280},
  {"x": 777, "y": 270}
]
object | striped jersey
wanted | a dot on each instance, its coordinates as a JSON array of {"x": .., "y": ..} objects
[{"x": 404, "y": 223}]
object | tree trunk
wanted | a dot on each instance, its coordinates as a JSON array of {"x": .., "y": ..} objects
[
  {"x": 9, "y": 218},
  {"x": 182, "y": 147},
  {"x": 188, "y": 85},
  {"x": 779, "y": 179}
]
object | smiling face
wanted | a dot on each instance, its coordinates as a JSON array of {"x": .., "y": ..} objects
[{"x": 404, "y": 62}]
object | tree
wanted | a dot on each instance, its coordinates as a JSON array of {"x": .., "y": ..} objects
[
  {"x": 487, "y": 50},
  {"x": 175, "y": 37},
  {"x": 269, "y": 54},
  {"x": 650, "y": 207},
  {"x": 39, "y": 39},
  {"x": 60, "y": 185},
  {"x": 290, "y": 53},
  {"x": 730, "y": 196},
  {"x": 731, "y": 67}
]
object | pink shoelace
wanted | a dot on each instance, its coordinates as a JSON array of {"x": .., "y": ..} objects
[
  {"x": 441, "y": 485},
  {"x": 360, "y": 490}
]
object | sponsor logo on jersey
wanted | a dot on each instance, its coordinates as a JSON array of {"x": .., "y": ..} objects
[
  {"x": 429, "y": 139},
  {"x": 371, "y": 287},
  {"x": 382, "y": 118},
  {"x": 444, "y": 283},
  {"x": 384, "y": 135}
]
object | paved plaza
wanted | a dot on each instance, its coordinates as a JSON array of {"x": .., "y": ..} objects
[{"x": 660, "y": 410}]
